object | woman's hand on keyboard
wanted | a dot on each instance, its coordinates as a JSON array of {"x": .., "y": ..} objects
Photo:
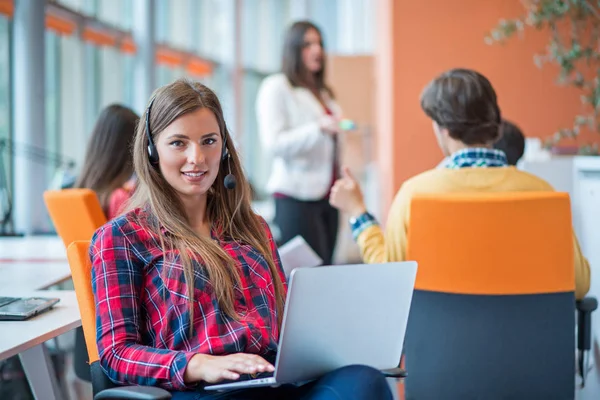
[{"x": 213, "y": 369}]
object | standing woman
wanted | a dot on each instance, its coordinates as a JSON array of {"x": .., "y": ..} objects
[{"x": 298, "y": 120}]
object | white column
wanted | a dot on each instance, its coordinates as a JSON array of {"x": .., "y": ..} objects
[
  {"x": 144, "y": 38},
  {"x": 29, "y": 115}
]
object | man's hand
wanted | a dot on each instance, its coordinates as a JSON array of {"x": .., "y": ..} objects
[{"x": 347, "y": 196}]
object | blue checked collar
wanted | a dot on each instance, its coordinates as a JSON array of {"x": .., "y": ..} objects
[{"x": 477, "y": 157}]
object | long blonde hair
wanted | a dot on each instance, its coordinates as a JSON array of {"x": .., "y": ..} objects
[{"x": 230, "y": 208}]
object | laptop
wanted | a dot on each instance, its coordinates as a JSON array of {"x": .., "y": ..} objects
[
  {"x": 22, "y": 308},
  {"x": 337, "y": 316}
]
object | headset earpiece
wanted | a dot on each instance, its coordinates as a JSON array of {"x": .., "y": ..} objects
[
  {"x": 229, "y": 182},
  {"x": 224, "y": 152},
  {"x": 152, "y": 152}
]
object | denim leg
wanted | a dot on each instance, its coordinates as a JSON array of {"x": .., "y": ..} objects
[
  {"x": 355, "y": 382},
  {"x": 203, "y": 395},
  {"x": 177, "y": 395},
  {"x": 289, "y": 392}
]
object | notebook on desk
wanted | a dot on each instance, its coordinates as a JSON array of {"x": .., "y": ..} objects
[
  {"x": 296, "y": 253},
  {"x": 22, "y": 308}
]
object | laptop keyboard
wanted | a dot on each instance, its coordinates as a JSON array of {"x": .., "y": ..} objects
[{"x": 7, "y": 300}]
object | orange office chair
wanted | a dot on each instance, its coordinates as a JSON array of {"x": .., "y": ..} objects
[
  {"x": 103, "y": 388},
  {"x": 75, "y": 213},
  {"x": 493, "y": 310}
]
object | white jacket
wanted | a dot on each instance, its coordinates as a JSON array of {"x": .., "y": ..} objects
[{"x": 288, "y": 123}]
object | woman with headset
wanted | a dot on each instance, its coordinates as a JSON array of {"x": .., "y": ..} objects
[{"x": 188, "y": 283}]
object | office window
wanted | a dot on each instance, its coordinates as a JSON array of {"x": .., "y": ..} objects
[
  {"x": 5, "y": 131},
  {"x": 127, "y": 20},
  {"x": 89, "y": 7},
  {"x": 251, "y": 33},
  {"x": 179, "y": 24},
  {"x": 117, "y": 13},
  {"x": 215, "y": 24},
  {"x": 52, "y": 103},
  {"x": 324, "y": 14},
  {"x": 263, "y": 28},
  {"x": 164, "y": 75},
  {"x": 111, "y": 76},
  {"x": 93, "y": 85},
  {"x": 162, "y": 21},
  {"x": 128, "y": 79},
  {"x": 76, "y": 5},
  {"x": 74, "y": 96},
  {"x": 256, "y": 163}
]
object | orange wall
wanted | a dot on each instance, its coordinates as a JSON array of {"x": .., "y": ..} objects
[{"x": 426, "y": 37}]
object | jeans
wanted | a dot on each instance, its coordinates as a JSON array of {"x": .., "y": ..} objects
[{"x": 355, "y": 382}]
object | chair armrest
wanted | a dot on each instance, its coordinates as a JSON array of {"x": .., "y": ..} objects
[
  {"x": 587, "y": 304},
  {"x": 584, "y": 322},
  {"x": 133, "y": 393},
  {"x": 394, "y": 373},
  {"x": 585, "y": 308}
]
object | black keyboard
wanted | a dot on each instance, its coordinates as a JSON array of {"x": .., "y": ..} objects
[{"x": 7, "y": 300}]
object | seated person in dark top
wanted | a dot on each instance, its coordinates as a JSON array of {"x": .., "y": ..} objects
[{"x": 512, "y": 142}]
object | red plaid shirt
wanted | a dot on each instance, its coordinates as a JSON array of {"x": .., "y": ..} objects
[{"x": 142, "y": 318}]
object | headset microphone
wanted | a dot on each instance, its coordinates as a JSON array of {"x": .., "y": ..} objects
[{"x": 229, "y": 180}]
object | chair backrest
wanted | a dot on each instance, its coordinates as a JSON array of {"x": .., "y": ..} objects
[
  {"x": 81, "y": 271},
  {"x": 493, "y": 310},
  {"x": 75, "y": 213}
]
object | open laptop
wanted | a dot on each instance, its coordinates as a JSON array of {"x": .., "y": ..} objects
[
  {"x": 22, "y": 308},
  {"x": 337, "y": 316}
]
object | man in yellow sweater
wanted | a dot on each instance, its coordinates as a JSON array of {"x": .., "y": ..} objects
[{"x": 466, "y": 120}]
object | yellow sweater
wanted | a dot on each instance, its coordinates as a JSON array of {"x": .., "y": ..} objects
[{"x": 375, "y": 247}]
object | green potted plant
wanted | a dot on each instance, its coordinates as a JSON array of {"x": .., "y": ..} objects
[{"x": 574, "y": 44}]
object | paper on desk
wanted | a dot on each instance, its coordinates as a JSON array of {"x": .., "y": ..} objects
[{"x": 296, "y": 253}]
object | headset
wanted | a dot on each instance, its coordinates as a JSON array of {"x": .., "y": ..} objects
[{"x": 229, "y": 182}]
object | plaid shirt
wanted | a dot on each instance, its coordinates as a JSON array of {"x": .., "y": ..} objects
[
  {"x": 142, "y": 318},
  {"x": 465, "y": 158},
  {"x": 477, "y": 157}
]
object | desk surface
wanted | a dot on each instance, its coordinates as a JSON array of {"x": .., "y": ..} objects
[
  {"x": 18, "y": 336},
  {"x": 32, "y": 248},
  {"x": 32, "y": 276}
]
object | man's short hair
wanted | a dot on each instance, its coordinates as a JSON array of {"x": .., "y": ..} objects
[{"x": 464, "y": 102}]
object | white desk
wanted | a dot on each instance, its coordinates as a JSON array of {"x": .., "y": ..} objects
[
  {"x": 580, "y": 177},
  {"x": 586, "y": 197},
  {"x": 32, "y": 276},
  {"x": 26, "y": 338},
  {"x": 32, "y": 248}
]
